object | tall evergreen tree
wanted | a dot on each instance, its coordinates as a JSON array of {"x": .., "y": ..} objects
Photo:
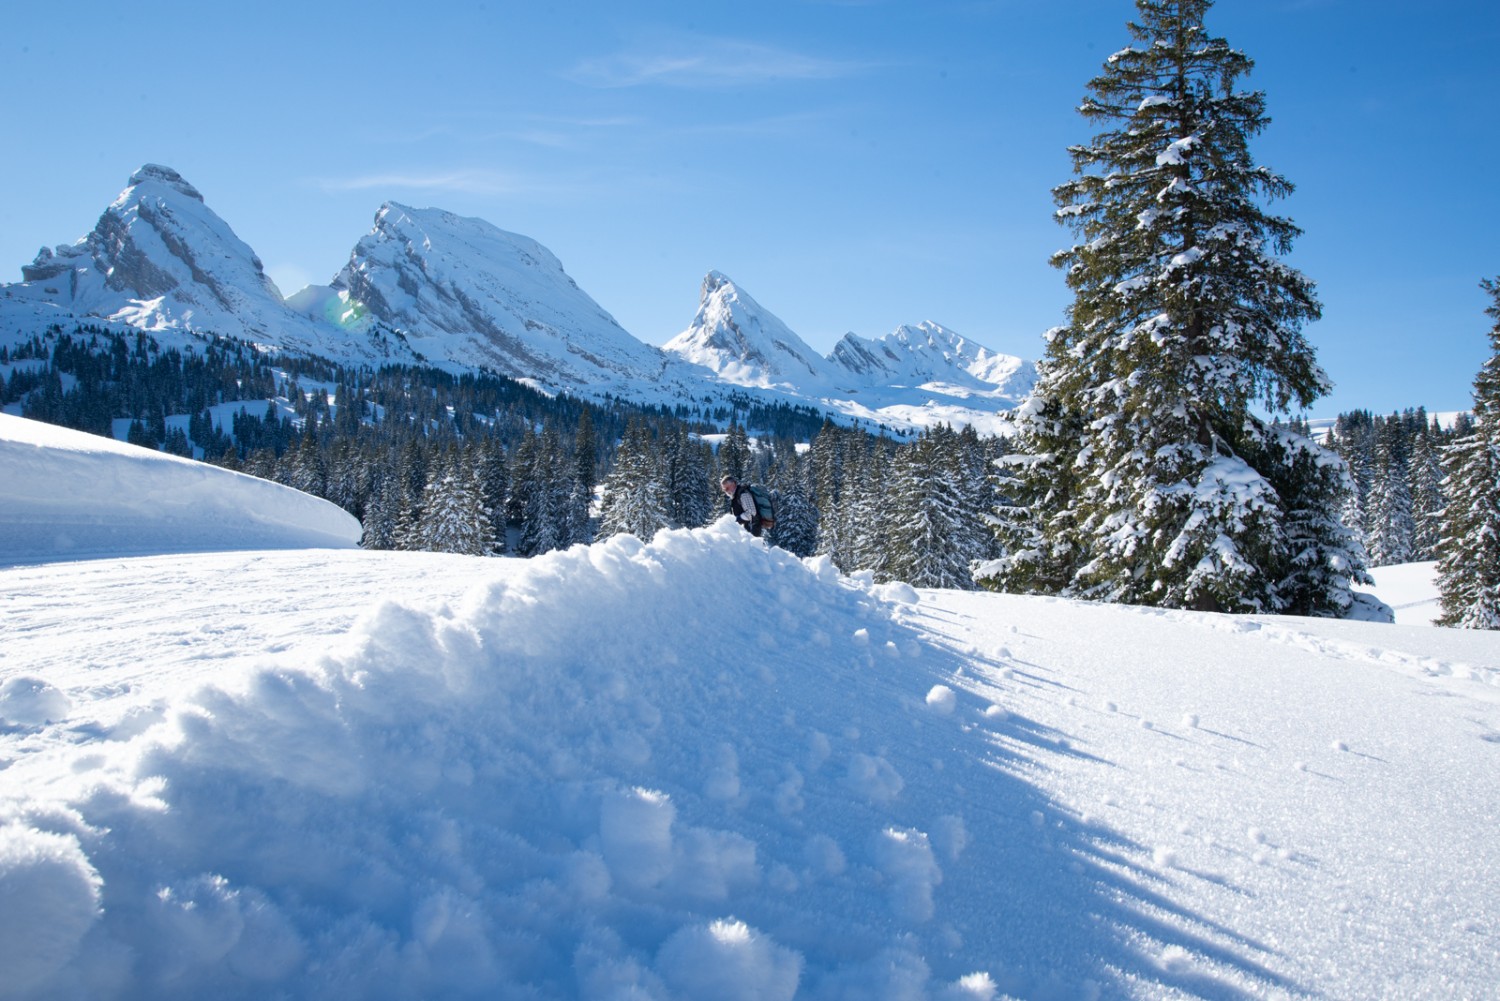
[
  {"x": 1143, "y": 440},
  {"x": 826, "y": 456},
  {"x": 488, "y": 459},
  {"x": 523, "y": 485},
  {"x": 734, "y": 454},
  {"x": 930, "y": 537},
  {"x": 796, "y": 528},
  {"x": 382, "y": 515},
  {"x": 865, "y": 508},
  {"x": 1391, "y": 528},
  {"x": 1468, "y": 570},
  {"x": 545, "y": 520},
  {"x": 634, "y": 493},
  {"x": 1427, "y": 499},
  {"x": 453, "y": 518},
  {"x": 691, "y": 492},
  {"x": 586, "y": 452}
]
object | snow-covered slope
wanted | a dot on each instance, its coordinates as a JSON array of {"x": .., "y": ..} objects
[
  {"x": 469, "y": 294},
  {"x": 68, "y": 495},
  {"x": 393, "y": 775}
]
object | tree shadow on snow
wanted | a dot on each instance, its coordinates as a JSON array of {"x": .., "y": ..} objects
[{"x": 1051, "y": 903}]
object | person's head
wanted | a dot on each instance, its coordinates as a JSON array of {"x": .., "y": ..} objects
[{"x": 729, "y": 484}]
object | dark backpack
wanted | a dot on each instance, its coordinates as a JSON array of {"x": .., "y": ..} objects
[{"x": 764, "y": 509}]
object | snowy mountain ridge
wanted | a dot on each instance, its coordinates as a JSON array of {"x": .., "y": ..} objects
[{"x": 426, "y": 286}]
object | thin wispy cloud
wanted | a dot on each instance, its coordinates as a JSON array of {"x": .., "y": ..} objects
[
  {"x": 475, "y": 181},
  {"x": 710, "y": 62}
]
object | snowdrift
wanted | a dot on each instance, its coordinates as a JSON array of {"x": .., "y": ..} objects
[
  {"x": 604, "y": 774},
  {"x": 70, "y": 495}
]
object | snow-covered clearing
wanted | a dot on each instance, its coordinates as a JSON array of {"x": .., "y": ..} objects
[{"x": 702, "y": 768}]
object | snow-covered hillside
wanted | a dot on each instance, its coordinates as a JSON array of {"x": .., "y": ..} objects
[
  {"x": 65, "y": 494},
  {"x": 701, "y": 768}
]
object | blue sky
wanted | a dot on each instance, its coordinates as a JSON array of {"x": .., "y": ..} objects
[{"x": 852, "y": 164}]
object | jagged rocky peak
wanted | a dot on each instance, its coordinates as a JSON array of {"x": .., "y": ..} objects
[
  {"x": 160, "y": 257},
  {"x": 712, "y": 282},
  {"x": 742, "y": 341},
  {"x": 165, "y": 175}
]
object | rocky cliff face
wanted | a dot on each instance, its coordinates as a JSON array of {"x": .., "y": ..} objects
[
  {"x": 158, "y": 240},
  {"x": 159, "y": 258}
]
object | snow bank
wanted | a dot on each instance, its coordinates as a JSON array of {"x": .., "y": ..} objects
[
  {"x": 70, "y": 495},
  {"x": 600, "y": 774}
]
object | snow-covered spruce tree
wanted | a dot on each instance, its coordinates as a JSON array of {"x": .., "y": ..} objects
[
  {"x": 1390, "y": 526},
  {"x": 544, "y": 521},
  {"x": 929, "y": 537},
  {"x": 829, "y": 480},
  {"x": 453, "y": 518},
  {"x": 523, "y": 483},
  {"x": 1142, "y": 483},
  {"x": 488, "y": 458},
  {"x": 1324, "y": 557},
  {"x": 1033, "y": 518},
  {"x": 1468, "y": 569},
  {"x": 635, "y": 498},
  {"x": 865, "y": 508},
  {"x": 734, "y": 454},
  {"x": 692, "y": 489},
  {"x": 1427, "y": 499},
  {"x": 796, "y": 517},
  {"x": 382, "y": 514}
]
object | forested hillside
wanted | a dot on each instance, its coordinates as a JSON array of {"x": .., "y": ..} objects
[{"x": 480, "y": 463}]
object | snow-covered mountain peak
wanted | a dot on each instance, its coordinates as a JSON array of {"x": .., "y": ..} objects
[
  {"x": 744, "y": 343},
  {"x": 160, "y": 257},
  {"x": 156, "y": 173},
  {"x": 930, "y": 354},
  {"x": 470, "y": 294}
]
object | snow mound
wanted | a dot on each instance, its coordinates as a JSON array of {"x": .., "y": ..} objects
[
  {"x": 71, "y": 495},
  {"x": 563, "y": 780}
]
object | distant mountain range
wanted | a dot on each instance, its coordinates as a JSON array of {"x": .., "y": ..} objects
[{"x": 425, "y": 286}]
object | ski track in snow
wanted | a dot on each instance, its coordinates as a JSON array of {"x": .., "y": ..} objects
[{"x": 602, "y": 774}]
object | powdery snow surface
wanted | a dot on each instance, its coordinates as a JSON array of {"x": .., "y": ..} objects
[
  {"x": 65, "y": 494},
  {"x": 605, "y": 773},
  {"x": 1410, "y": 589}
]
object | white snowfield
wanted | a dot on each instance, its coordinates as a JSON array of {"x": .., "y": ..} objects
[
  {"x": 601, "y": 774},
  {"x": 66, "y": 494}
]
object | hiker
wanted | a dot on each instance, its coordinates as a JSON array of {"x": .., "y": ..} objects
[{"x": 742, "y": 505}]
